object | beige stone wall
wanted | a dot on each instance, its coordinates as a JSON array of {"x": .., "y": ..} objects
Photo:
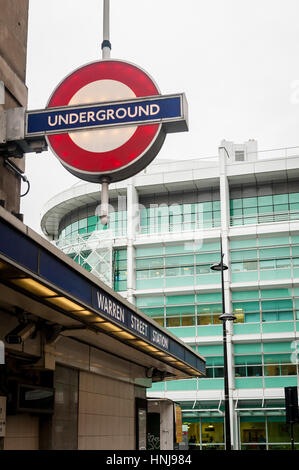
[
  {"x": 106, "y": 413},
  {"x": 22, "y": 432},
  {"x": 13, "y": 48}
]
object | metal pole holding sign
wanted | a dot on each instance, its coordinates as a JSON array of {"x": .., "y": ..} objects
[
  {"x": 106, "y": 48},
  {"x": 104, "y": 212},
  {"x": 123, "y": 107},
  {"x": 106, "y": 45}
]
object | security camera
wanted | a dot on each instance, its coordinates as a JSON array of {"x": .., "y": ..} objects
[
  {"x": 149, "y": 372},
  {"x": 19, "y": 334}
]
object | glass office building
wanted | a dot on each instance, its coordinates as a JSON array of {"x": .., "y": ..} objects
[{"x": 163, "y": 237}]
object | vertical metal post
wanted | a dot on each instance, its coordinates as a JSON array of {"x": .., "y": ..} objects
[
  {"x": 106, "y": 45},
  {"x": 106, "y": 48},
  {"x": 226, "y": 387}
]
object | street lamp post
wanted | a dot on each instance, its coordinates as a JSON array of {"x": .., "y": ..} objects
[{"x": 225, "y": 317}]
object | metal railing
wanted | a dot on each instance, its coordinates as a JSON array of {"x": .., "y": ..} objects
[{"x": 72, "y": 241}]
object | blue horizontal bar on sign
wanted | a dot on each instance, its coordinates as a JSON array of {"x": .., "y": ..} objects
[{"x": 140, "y": 111}]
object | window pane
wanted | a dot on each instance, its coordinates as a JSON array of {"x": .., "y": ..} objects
[
  {"x": 265, "y": 200},
  {"x": 180, "y": 299},
  {"x": 250, "y": 211},
  {"x": 213, "y": 360},
  {"x": 173, "y": 321},
  {"x": 82, "y": 223},
  {"x": 154, "y": 273},
  {"x": 281, "y": 208},
  {"x": 248, "y": 359},
  {"x": 253, "y": 431},
  {"x": 246, "y": 306},
  {"x": 289, "y": 369},
  {"x": 275, "y": 293},
  {"x": 280, "y": 252},
  {"x": 188, "y": 321},
  {"x": 272, "y": 370},
  {"x": 240, "y": 371},
  {"x": 243, "y": 255},
  {"x": 267, "y": 264},
  {"x": 212, "y": 432},
  {"x": 280, "y": 198},
  {"x": 179, "y": 260},
  {"x": 294, "y": 197},
  {"x": 149, "y": 262},
  {"x": 204, "y": 319},
  {"x": 250, "y": 265},
  {"x": 273, "y": 305},
  {"x": 236, "y": 203},
  {"x": 204, "y": 269},
  {"x": 277, "y": 358},
  {"x": 187, "y": 271},
  {"x": 283, "y": 263},
  {"x": 149, "y": 301},
  {"x": 278, "y": 432},
  {"x": 218, "y": 372},
  {"x": 160, "y": 321},
  {"x": 250, "y": 202},
  {"x": 142, "y": 274},
  {"x": 169, "y": 272},
  {"x": 245, "y": 295},
  {"x": 188, "y": 310},
  {"x": 254, "y": 371}
]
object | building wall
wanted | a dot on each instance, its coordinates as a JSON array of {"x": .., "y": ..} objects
[
  {"x": 13, "y": 48},
  {"x": 95, "y": 395},
  {"x": 22, "y": 432},
  {"x": 65, "y": 419},
  {"x": 106, "y": 413}
]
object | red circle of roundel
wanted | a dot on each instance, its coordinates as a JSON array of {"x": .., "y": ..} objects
[{"x": 82, "y": 160}]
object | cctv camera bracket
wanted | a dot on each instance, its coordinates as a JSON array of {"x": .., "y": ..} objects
[{"x": 13, "y": 141}]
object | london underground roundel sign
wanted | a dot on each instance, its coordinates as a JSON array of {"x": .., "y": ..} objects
[
  {"x": 107, "y": 120},
  {"x": 116, "y": 152}
]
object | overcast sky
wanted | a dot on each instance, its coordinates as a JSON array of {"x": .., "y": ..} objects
[{"x": 236, "y": 60}]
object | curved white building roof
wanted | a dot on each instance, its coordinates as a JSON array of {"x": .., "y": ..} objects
[{"x": 168, "y": 175}]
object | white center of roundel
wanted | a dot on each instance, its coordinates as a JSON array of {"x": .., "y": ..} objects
[{"x": 102, "y": 140}]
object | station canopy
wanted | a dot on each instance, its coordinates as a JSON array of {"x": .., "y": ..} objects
[{"x": 39, "y": 278}]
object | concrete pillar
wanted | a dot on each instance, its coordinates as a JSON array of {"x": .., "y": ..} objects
[{"x": 132, "y": 229}]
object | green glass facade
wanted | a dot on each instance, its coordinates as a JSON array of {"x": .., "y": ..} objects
[
  {"x": 264, "y": 209},
  {"x": 85, "y": 226},
  {"x": 180, "y": 217},
  {"x": 176, "y": 266},
  {"x": 119, "y": 269}
]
